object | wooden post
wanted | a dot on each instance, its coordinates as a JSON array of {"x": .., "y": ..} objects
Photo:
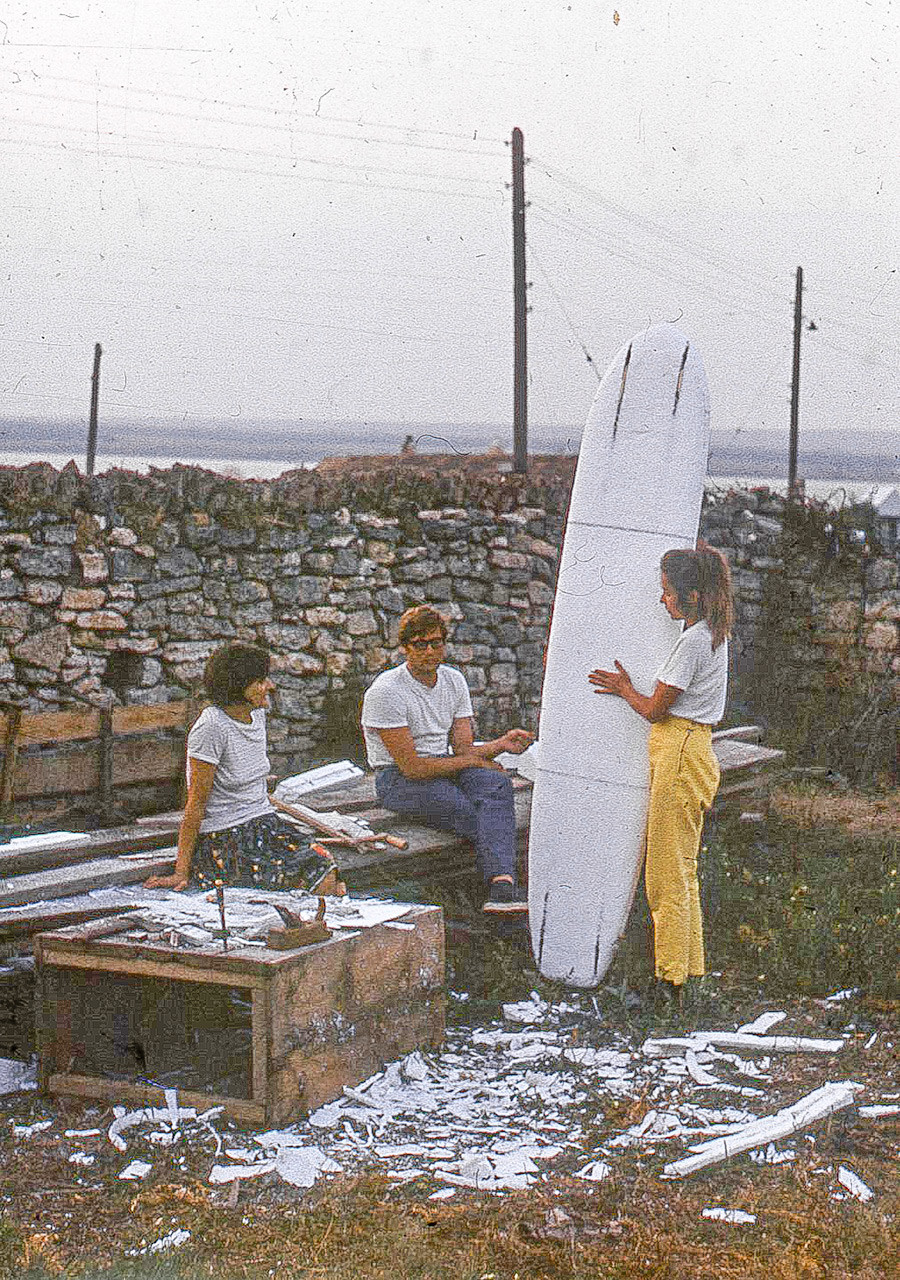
[
  {"x": 106, "y": 750},
  {"x": 795, "y": 390},
  {"x": 10, "y": 758},
  {"x": 520, "y": 309},
  {"x": 95, "y": 401}
]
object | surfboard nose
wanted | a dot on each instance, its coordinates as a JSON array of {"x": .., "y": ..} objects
[{"x": 649, "y": 418}]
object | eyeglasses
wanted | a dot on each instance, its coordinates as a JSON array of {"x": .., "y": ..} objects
[{"x": 426, "y": 642}]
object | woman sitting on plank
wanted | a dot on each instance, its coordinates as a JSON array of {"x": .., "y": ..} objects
[
  {"x": 689, "y": 698},
  {"x": 230, "y": 832}
]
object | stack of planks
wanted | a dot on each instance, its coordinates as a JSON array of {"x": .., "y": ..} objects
[
  {"x": 48, "y": 886},
  {"x": 97, "y": 758}
]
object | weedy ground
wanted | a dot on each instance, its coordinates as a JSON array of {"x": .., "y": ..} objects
[{"x": 799, "y": 904}]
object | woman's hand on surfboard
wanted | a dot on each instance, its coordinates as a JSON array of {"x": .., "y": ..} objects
[{"x": 617, "y": 682}]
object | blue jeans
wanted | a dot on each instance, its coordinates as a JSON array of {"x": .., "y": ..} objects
[{"x": 475, "y": 803}]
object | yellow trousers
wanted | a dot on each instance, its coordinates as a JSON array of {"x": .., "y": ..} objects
[{"x": 684, "y": 775}]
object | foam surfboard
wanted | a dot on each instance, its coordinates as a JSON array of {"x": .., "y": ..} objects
[{"x": 637, "y": 492}]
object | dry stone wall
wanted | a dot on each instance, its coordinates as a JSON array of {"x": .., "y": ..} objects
[{"x": 117, "y": 589}]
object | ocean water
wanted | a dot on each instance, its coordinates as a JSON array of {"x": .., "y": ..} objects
[{"x": 836, "y": 493}]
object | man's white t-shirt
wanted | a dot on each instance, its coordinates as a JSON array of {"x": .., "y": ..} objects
[
  {"x": 238, "y": 751},
  {"x": 396, "y": 699},
  {"x": 701, "y": 672}
]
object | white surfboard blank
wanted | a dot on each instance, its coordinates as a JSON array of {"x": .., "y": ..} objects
[{"x": 637, "y": 492}]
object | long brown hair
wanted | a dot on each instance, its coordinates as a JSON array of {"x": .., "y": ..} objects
[{"x": 706, "y": 572}]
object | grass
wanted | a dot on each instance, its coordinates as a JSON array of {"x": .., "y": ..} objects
[{"x": 797, "y": 906}]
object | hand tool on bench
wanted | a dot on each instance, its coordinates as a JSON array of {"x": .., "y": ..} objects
[
  {"x": 311, "y": 819},
  {"x": 297, "y": 931},
  {"x": 380, "y": 837}
]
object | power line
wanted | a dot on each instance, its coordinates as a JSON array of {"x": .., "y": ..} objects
[
  {"x": 587, "y": 355},
  {"x": 170, "y": 162},
  {"x": 288, "y": 129},
  {"x": 304, "y": 115},
  {"x": 130, "y": 138}
]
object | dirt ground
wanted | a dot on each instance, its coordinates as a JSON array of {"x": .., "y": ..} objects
[
  {"x": 791, "y": 912},
  {"x": 61, "y": 1217}
]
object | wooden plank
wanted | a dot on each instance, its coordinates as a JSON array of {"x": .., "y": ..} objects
[
  {"x": 86, "y": 876},
  {"x": 734, "y": 754},
  {"x": 150, "y": 1095},
  {"x": 74, "y": 771},
  {"x": 45, "y": 727},
  {"x": 58, "y": 915},
  {"x": 105, "y": 842},
  {"x": 745, "y": 732},
  {"x": 100, "y": 961}
]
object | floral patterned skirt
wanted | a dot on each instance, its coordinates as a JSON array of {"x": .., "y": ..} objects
[{"x": 264, "y": 853}]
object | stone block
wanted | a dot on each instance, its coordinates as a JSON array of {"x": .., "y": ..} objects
[
  {"x": 44, "y": 562},
  {"x": 187, "y": 651},
  {"x": 289, "y": 638},
  {"x": 14, "y": 615},
  {"x": 102, "y": 620},
  {"x": 540, "y": 593},
  {"x": 346, "y": 562},
  {"x": 47, "y": 648},
  {"x": 381, "y": 552},
  {"x": 302, "y": 591},
  {"x": 248, "y": 591},
  {"x": 180, "y": 562},
  {"x": 79, "y": 598},
  {"x": 503, "y": 676},
  {"x": 361, "y": 623},
  {"x": 299, "y": 664},
  {"x": 390, "y": 600},
  {"x": 60, "y": 535},
  {"x": 43, "y": 591},
  {"x": 127, "y": 566},
  {"x": 236, "y": 539},
  {"x": 120, "y": 536}
]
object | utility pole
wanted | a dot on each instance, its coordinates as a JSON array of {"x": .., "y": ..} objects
[
  {"x": 95, "y": 401},
  {"x": 795, "y": 390},
  {"x": 520, "y": 308}
]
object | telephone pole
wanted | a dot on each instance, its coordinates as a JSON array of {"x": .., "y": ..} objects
[
  {"x": 520, "y": 308},
  {"x": 95, "y": 401},
  {"x": 795, "y": 390}
]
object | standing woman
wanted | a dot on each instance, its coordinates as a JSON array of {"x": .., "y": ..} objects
[
  {"x": 689, "y": 698},
  {"x": 230, "y": 832}
]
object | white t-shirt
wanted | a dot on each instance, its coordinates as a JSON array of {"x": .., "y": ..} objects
[
  {"x": 700, "y": 672},
  {"x": 238, "y": 751},
  {"x": 396, "y": 699}
]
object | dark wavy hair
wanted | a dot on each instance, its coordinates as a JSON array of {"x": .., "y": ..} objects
[
  {"x": 706, "y": 572},
  {"x": 418, "y": 620},
  {"x": 230, "y": 669}
]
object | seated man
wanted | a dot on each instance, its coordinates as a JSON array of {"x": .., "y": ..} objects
[{"x": 413, "y": 716}]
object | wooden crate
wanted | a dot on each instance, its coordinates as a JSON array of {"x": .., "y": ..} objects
[{"x": 269, "y": 1035}]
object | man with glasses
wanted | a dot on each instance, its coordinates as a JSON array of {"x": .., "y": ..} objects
[{"x": 418, "y": 726}]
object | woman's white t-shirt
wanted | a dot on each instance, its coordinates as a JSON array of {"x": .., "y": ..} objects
[
  {"x": 239, "y": 791},
  {"x": 701, "y": 672}
]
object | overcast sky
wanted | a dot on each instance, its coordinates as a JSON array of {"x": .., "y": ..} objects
[{"x": 300, "y": 211}]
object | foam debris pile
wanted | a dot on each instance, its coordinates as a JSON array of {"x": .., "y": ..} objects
[{"x": 510, "y": 1104}]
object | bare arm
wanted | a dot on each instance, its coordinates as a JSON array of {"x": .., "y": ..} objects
[
  {"x": 654, "y": 707},
  {"x": 420, "y": 768},
  {"x": 200, "y": 780},
  {"x": 462, "y": 740}
]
